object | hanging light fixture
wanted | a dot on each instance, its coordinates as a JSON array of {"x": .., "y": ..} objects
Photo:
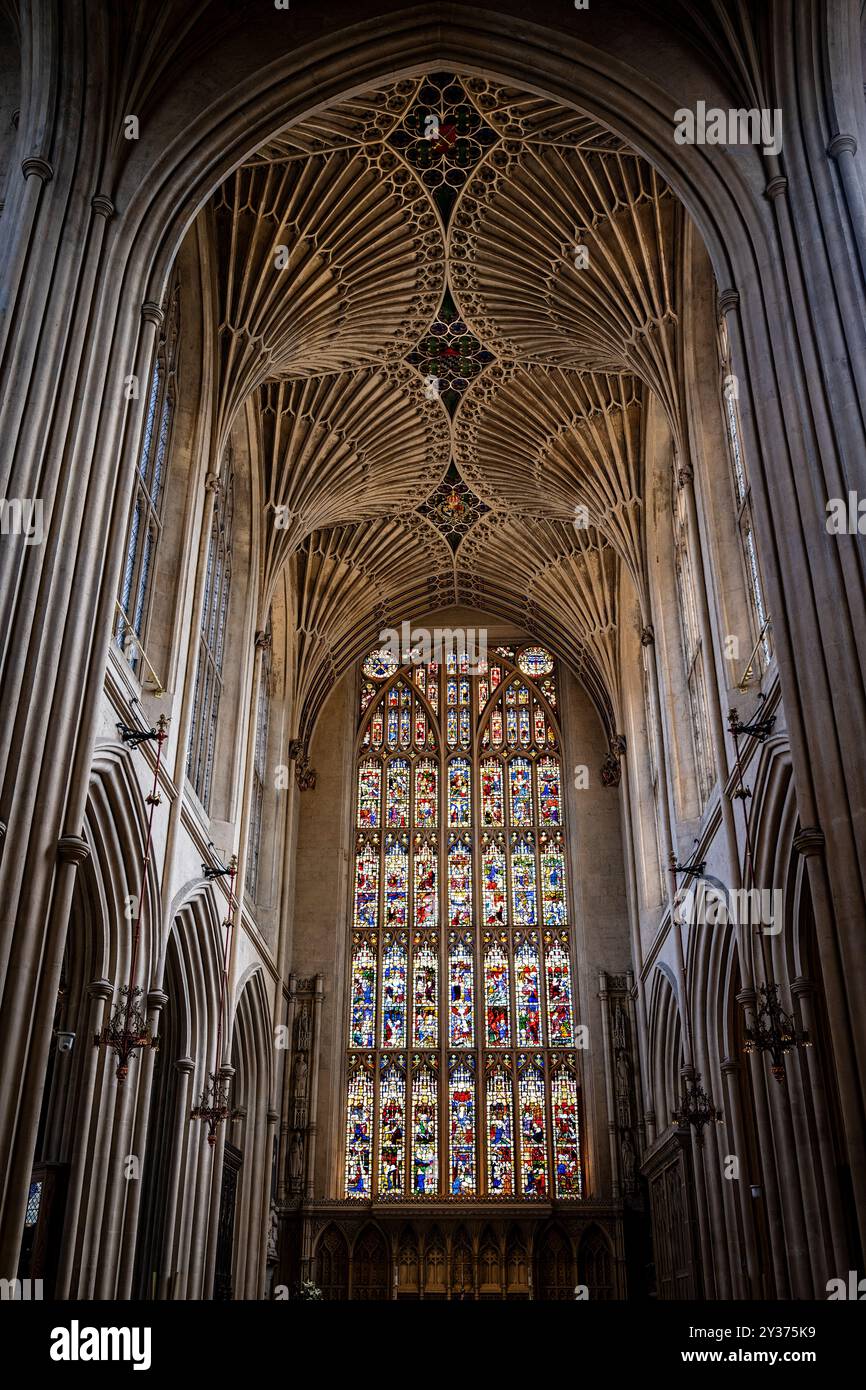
[
  {"x": 773, "y": 1031},
  {"x": 127, "y": 1030},
  {"x": 213, "y": 1106},
  {"x": 695, "y": 1108}
]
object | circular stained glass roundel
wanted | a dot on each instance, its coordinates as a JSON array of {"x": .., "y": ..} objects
[
  {"x": 379, "y": 666},
  {"x": 535, "y": 662}
]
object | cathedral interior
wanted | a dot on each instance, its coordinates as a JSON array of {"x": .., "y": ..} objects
[{"x": 433, "y": 788}]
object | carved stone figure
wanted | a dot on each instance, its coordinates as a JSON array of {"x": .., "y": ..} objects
[{"x": 296, "y": 1158}]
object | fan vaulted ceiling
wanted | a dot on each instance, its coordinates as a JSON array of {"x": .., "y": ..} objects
[{"x": 449, "y": 299}]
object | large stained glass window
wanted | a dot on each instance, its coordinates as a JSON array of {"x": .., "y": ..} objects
[{"x": 463, "y": 1081}]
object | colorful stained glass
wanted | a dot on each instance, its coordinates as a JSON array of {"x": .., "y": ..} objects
[
  {"x": 451, "y": 729},
  {"x": 511, "y": 727},
  {"x": 425, "y": 992},
  {"x": 426, "y": 887},
  {"x": 420, "y": 728},
  {"x": 553, "y": 886},
  {"x": 495, "y": 676},
  {"x": 433, "y": 689},
  {"x": 380, "y": 665},
  {"x": 459, "y": 885},
  {"x": 533, "y": 1130},
  {"x": 492, "y": 811},
  {"x": 461, "y": 1107},
  {"x": 496, "y": 727},
  {"x": 367, "y": 886},
  {"x": 465, "y": 729},
  {"x": 520, "y": 790},
  {"x": 451, "y": 691},
  {"x": 392, "y": 1129},
  {"x": 535, "y": 662},
  {"x": 483, "y": 692},
  {"x": 464, "y": 691},
  {"x": 376, "y": 727},
  {"x": 566, "y": 1134},
  {"x": 523, "y": 887},
  {"x": 396, "y": 882},
  {"x": 393, "y": 727},
  {"x": 363, "y": 993},
  {"x": 426, "y": 800},
  {"x": 500, "y": 1134},
  {"x": 425, "y": 1133},
  {"x": 494, "y": 893},
  {"x": 394, "y": 991},
  {"x": 359, "y": 1134},
  {"x": 549, "y": 793},
  {"x": 461, "y": 1032},
  {"x": 368, "y": 691},
  {"x": 540, "y": 726},
  {"x": 369, "y": 794},
  {"x": 459, "y": 799},
  {"x": 525, "y": 736},
  {"x": 496, "y": 995},
  {"x": 548, "y": 690},
  {"x": 405, "y": 728},
  {"x": 397, "y": 793},
  {"x": 528, "y": 993},
  {"x": 559, "y": 1011}
]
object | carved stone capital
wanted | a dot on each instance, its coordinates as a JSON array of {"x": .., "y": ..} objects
[
  {"x": 72, "y": 849},
  {"x": 728, "y": 299},
  {"x": 776, "y": 187},
  {"x": 38, "y": 168},
  {"x": 151, "y": 313},
  {"x": 647, "y": 635},
  {"x": 809, "y": 840},
  {"x": 842, "y": 144},
  {"x": 103, "y": 206},
  {"x": 100, "y": 989},
  {"x": 685, "y": 474}
]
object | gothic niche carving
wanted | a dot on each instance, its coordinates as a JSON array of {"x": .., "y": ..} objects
[{"x": 300, "y": 1096}]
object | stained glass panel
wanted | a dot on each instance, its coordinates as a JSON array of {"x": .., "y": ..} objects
[
  {"x": 394, "y": 990},
  {"x": 379, "y": 665},
  {"x": 549, "y": 792},
  {"x": 559, "y": 1013},
  {"x": 553, "y": 885},
  {"x": 367, "y": 886},
  {"x": 520, "y": 787},
  {"x": 460, "y": 982},
  {"x": 359, "y": 1134},
  {"x": 500, "y": 1133},
  {"x": 459, "y": 885},
  {"x": 566, "y": 1137},
  {"x": 535, "y": 662},
  {"x": 494, "y": 894},
  {"x": 496, "y": 995},
  {"x": 523, "y": 886},
  {"x": 492, "y": 812},
  {"x": 363, "y": 992},
  {"x": 533, "y": 1129},
  {"x": 458, "y": 792},
  {"x": 425, "y": 1132},
  {"x": 461, "y": 1107},
  {"x": 369, "y": 794},
  {"x": 426, "y": 801},
  {"x": 528, "y": 992},
  {"x": 396, "y": 881},
  {"x": 397, "y": 792},
  {"x": 426, "y": 885},
  {"x": 392, "y": 1129},
  {"x": 425, "y": 992}
]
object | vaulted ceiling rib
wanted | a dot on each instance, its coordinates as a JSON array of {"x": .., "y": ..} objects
[{"x": 477, "y": 284}]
